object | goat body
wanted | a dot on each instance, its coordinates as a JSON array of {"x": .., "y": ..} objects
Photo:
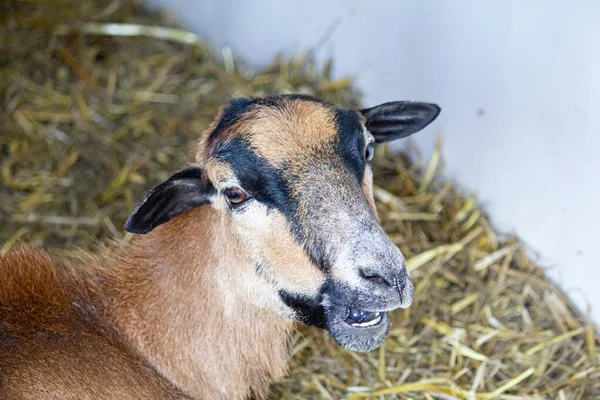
[{"x": 142, "y": 322}]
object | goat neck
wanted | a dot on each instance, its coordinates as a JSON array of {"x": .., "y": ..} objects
[{"x": 178, "y": 300}]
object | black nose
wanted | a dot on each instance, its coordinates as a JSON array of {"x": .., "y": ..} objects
[{"x": 394, "y": 280}]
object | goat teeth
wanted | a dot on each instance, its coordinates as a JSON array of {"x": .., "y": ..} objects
[
  {"x": 372, "y": 322},
  {"x": 360, "y": 316}
]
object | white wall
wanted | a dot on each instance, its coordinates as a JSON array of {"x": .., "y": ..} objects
[{"x": 518, "y": 81}]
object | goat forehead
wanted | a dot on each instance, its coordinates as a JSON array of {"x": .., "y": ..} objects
[
  {"x": 295, "y": 146},
  {"x": 289, "y": 147},
  {"x": 286, "y": 128},
  {"x": 296, "y": 131}
]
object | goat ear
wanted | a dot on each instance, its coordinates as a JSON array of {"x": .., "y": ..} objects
[
  {"x": 399, "y": 119},
  {"x": 179, "y": 194}
]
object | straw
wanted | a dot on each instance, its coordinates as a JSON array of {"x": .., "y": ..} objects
[{"x": 100, "y": 101}]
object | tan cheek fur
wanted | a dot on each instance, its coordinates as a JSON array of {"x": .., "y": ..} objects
[
  {"x": 367, "y": 188},
  {"x": 282, "y": 259},
  {"x": 367, "y": 183},
  {"x": 267, "y": 236}
]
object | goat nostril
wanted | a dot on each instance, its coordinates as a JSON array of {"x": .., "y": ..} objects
[
  {"x": 378, "y": 279},
  {"x": 399, "y": 283}
]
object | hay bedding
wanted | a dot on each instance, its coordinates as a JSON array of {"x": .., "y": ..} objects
[{"x": 90, "y": 120}]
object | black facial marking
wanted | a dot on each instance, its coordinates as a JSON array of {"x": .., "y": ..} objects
[
  {"x": 259, "y": 268},
  {"x": 308, "y": 311},
  {"x": 231, "y": 115},
  {"x": 278, "y": 101},
  {"x": 260, "y": 179},
  {"x": 351, "y": 142}
]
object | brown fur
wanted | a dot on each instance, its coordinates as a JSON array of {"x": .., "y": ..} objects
[
  {"x": 54, "y": 343},
  {"x": 367, "y": 188},
  {"x": 307, "y": 125},
  {"x": 151, "y": 316},
  {"x": 168, "y": 316},
  {"x": 309, "y": 128}
]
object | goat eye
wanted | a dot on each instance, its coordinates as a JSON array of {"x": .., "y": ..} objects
[
  {"x": 369, "y": 153},
  {"x": 236, "y": 196}
]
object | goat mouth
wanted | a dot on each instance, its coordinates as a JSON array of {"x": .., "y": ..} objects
[
  {"x": 357, "y": 329},
  {"x": 363, "y": 319}
]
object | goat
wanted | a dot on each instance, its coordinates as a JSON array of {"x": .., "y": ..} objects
[{"x": 273, "y": 222}]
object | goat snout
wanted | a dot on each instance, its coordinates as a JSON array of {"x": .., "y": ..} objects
[{"x": 394, "y": 280}]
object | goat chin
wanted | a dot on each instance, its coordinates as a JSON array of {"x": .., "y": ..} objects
[{"x": 360, "y": 339}]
